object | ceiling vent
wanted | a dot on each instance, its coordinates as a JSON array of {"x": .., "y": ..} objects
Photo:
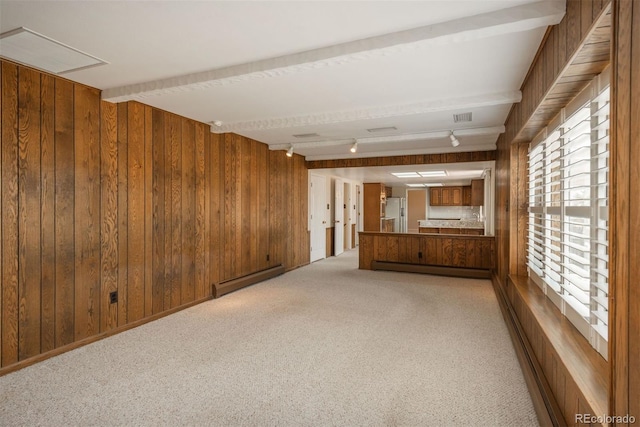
[
  {"x": 306, "y": 135},
  {"x": 385, "y": 129},
  {"x": 460, "y": 118},
  {"x": 30, "y": 48}
]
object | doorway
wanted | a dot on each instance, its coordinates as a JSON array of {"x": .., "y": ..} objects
[{"x": 317, "y": 220}]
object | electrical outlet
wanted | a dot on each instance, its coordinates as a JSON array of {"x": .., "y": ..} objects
[
  {"x": 267, "y": 257},
  {"x": 419, "y": 254},
  {"x": 113, "y": 297}
]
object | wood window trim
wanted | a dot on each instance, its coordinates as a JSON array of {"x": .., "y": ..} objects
[{"x": 587, "y": 368}]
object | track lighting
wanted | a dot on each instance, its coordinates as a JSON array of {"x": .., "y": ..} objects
[
  {"x": 290, "y": 151},
  {"x": 354, "y": 147},
  {"x": 454, "y": 140}
]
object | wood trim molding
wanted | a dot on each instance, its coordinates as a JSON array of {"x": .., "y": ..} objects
[{"x": 544, "y": 402}]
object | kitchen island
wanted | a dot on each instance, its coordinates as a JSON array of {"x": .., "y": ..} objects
[{"x": 444, "y": 254}]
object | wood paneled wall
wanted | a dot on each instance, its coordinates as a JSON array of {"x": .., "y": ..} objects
[
  {"x": 99, "y": 198},
  {"x": 624, "y": 341}
]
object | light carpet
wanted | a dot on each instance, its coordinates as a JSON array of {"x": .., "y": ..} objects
[{"x": 323, "y": 345}]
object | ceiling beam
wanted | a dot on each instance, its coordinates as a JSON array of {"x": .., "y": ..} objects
[
  {"x": 431, "y": 106},
  {"x": 493, "y": 130},
  {"x": 393, "y": 153},
  {"x": 505, "y": 21}
]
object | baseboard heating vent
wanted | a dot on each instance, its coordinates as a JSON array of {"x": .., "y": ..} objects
[
  {"x": 220, "y": 289},
  {"x": 431, "y": 269}
]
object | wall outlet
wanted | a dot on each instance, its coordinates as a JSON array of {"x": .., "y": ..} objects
[
  {"x": 419, "y": 254},
  {"x": 267, "y": 257},
  {"x": 113, "y": 297}
]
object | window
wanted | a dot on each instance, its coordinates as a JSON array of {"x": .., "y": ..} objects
[{"x": 567, "y": 244}]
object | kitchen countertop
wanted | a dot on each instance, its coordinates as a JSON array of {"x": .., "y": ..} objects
[{"x": 451, "y": 223}]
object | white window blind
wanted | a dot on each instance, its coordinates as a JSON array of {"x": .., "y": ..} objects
[{"x": 567, "y": 245}]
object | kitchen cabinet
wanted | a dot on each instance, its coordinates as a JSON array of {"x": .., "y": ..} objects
[
  {"x": 374, "y": 206},
  {"x": 435, "y": 196},
  {"x": 445, "y": 196},
  {"x": 452, "y": 196},
  {"x": 477, "y": 192},
  {"x": 466, "y": 195}
]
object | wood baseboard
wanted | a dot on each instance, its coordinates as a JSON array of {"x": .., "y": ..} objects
[
  {"x": 544, "y": 402},
  {"x": 220, "y": 289},
  {"x": 431, "y": 269}
]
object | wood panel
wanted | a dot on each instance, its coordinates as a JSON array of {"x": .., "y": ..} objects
[
  {"x": 29, "y": 202},
  {"x": 87, "y": 211},
  {"x": 47, "y": 213},
  {"x": 431, "y": 249},
  {"x": 122, "y": 174},
  {"x": 135, "y": 211},
  {"x": 158, "y": 218},
  {"x": 624, "y": 297},
  {"x": 64, "y": 201},
  {"x": 187, "y": 216},
  {"x": 420, "y": 159},
  {"x": 109, "y": 214}
]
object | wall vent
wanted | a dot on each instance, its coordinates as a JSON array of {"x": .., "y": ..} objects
[
  {"x": 463, "y": 117},
  {"x": 305, "y": 135},
  {"x": 384, "y": 129}
]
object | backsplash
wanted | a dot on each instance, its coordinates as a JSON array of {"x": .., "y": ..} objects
[{"x": 453, "y": 212}]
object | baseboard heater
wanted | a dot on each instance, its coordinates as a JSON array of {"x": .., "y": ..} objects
[
  {"x": 223, "y": 288},
  {"x": 431, "y": 269}
]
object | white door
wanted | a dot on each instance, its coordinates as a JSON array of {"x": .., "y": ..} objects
[
  {"x": 338, "y": 218},
  {"x": 317, "y": 220}
]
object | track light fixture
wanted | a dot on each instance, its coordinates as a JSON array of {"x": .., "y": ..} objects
[
  {"x": 354, "y": 147},
  {"x": 454, "y": 140},
  {"x": 290, "y": 151}
]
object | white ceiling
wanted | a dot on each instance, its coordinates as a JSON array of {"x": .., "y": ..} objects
[{"x": 273, "y": 69}]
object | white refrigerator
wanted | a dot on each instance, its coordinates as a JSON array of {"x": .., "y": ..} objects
[{"x": 396, "y": 208}]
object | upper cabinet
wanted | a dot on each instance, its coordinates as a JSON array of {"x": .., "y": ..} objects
[
  {"x": 470, "y": 195},
  {"x": 477, "y": 192}
]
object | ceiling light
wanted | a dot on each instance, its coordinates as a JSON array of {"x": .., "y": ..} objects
[
  {"x": 306, "y": 135},
  {"x": 290, "y": 151},
  {"x": 429, "y": 174},
  {"x": 30, "y": 48},
  {"x": 217, "y": 123},
  {"x": 454, "y": 140},
  {"x": 426, "y": 184},
  {"x": 405, "y": 174},
  {"x": 354, "y": 147}
]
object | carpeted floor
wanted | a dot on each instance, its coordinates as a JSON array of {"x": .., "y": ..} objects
[{"x": 324, "y": 345}]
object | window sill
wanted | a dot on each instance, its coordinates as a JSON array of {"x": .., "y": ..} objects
[{"x": 580, "y": 362}]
